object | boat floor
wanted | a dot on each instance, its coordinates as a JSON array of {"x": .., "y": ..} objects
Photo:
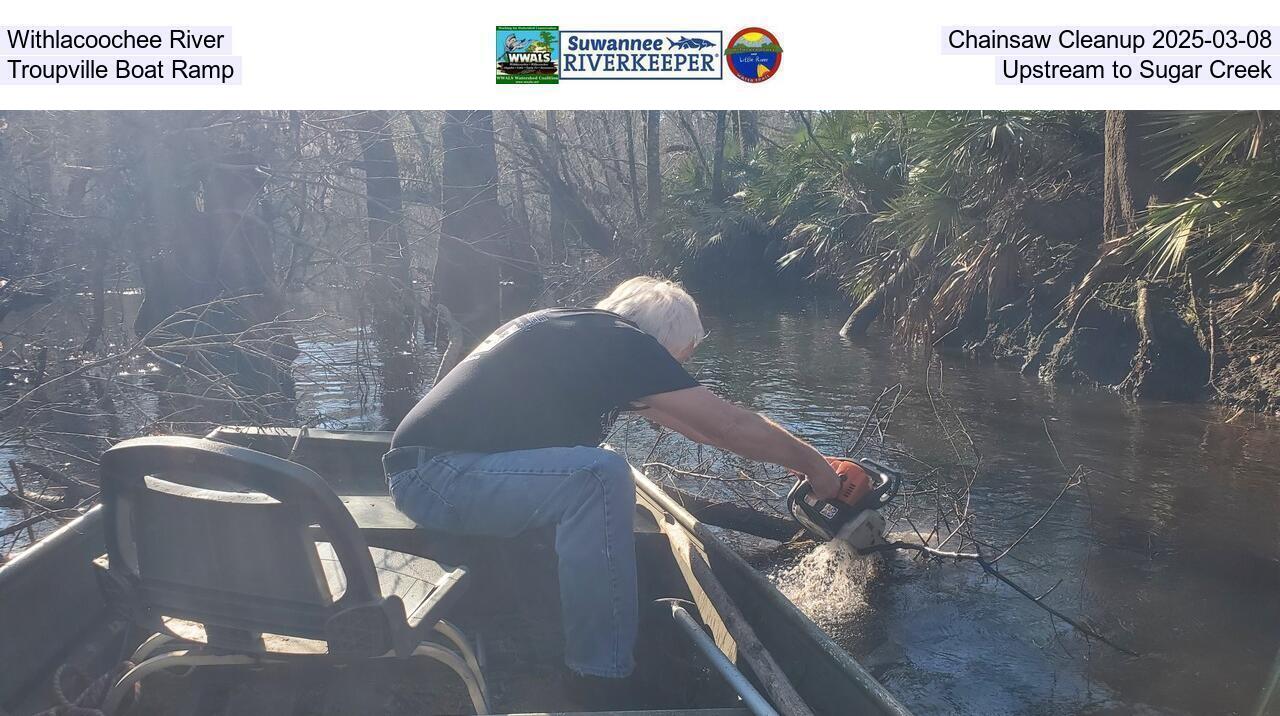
[{"x": 511, "y": 608}]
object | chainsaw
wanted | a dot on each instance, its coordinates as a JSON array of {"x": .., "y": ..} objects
[{"x": 854, "y": 514}]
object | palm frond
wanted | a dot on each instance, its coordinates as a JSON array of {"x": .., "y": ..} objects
[{"x": 1207, "y": 139}]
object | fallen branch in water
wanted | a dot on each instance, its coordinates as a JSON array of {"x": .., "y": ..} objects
[
  {"x": 58, "y": 491},
  {"x": 67, "y": 513},
  {"x": 57, "y": 477},
  {"x": 874, "y": 417},
  {"x": 989, "y": 567},
  {"x": 954, "y": 519},
  {"x": 23, "y": 524}
]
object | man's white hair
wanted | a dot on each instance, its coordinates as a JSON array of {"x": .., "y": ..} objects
[{"x": 661, "y": 308}]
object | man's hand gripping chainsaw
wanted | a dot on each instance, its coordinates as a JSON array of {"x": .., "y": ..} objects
[{"x": 853, "y": 515}]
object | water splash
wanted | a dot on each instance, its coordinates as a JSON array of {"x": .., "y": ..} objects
[{"x": 829, "y": 584}]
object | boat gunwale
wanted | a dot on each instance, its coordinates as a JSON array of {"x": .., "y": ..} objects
[
  {"x": 22, "y": 561},
  {"x": 658, "y": 500},
  {"x": 28, "y": 564}
]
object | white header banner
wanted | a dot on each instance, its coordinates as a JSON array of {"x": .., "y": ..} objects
[{"x": 378, "y": 54}]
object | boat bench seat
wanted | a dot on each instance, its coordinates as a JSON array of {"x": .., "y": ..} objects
[
  {"x": 378, "y": 514},
  {"x": 417, "y": 581}
]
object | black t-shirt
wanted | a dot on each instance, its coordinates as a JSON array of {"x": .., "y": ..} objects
[{"x": 551, "y": 378}]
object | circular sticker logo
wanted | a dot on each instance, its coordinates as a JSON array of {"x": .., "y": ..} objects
[{"x": 753, "y": 54}]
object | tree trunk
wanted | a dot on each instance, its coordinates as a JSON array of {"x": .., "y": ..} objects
[
  {"x": 473, "y": 232},
  {"x": 430, "y": 194},
  {"x": 560, "y": 226},
  {"x": 696, "y": 144},
  {"x": 41, "y": 219},
  {"x": 207, "y": 266},
  {"x": 561, "y": 187},
  {"x": 748, "y": 131},
  {"x": 653, "y": 165},
  {"x": 519, "y": 275},
  {"x": 717, "y": 161},
  {"x": 76, "y": 190},
  {"x": 632, "y": 172},
  {"x": 389, "y": 290},
  {"x": 1127, "y": 188},
  {"x": 1125, "y": 185},
  {"x": 97, "y": 289},
  {"x": 523, "y": 272},
  {"x": 614, "y": 176}
]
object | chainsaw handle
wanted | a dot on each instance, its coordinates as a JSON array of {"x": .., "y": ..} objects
[
  {"x": 806, "y": 510},
  {"x": 884, "y": 492}
]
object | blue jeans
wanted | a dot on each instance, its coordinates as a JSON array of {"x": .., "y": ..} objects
[{"x": 587, "y": 493}]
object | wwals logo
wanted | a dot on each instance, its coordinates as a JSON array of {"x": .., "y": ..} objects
[{"x": 528, "y": 54}]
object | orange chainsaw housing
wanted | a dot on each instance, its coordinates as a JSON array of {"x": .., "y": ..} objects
[
  {"x": 855, "y": 482},
  {"x": 864, "y": 485}
]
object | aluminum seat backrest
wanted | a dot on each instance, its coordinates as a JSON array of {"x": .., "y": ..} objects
[{"x": 222, "y": 535}]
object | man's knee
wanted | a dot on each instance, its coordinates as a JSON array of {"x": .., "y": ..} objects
[{"x": 613, "y": 469}]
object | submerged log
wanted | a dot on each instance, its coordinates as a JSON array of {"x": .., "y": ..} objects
[
  {"x": 874, "y": 304},
  {"x": 864, "y": 315},
  {"x": 60, "y": 491},
  {"x": 735, "y": 517},
  {"x": 28, "y": 499}
]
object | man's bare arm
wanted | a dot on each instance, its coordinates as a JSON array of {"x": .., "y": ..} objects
[
  {"x": 671, "y": 422},
  {"x": 700, "y": 415}
]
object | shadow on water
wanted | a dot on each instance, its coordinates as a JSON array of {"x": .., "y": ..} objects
[{"x": 1172, "y": 546}]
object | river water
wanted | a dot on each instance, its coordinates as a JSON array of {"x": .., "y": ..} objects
[{"x": 1172, "y": 547}]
